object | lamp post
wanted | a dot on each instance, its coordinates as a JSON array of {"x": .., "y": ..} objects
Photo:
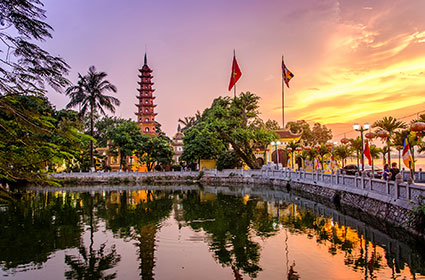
[
  {"x": 276, "y": 144},
  {"x": 361, "y": 128}
]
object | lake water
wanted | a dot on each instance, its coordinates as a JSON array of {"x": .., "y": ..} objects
[{"x": 193, "y": 232}]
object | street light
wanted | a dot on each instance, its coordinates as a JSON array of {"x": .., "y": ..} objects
[
  {"x": 358, "y": 127},
  {"x": 273, "y": 143}
]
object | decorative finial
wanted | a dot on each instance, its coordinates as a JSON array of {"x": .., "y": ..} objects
[
  {"x": 178, "y": 128},
  {"x": 146, "y": 60}
]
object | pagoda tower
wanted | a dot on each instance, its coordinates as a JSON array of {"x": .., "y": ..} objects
[{"x": 146, "y": 109}]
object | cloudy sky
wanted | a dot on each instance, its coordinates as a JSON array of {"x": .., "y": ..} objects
[{"x": 354, "y": 61}]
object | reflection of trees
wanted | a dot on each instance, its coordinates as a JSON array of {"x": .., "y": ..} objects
[
  {"x": 359, "y": 253},
  {"x": 35, "y": 226},
  {"x": 91, "y": 264},
  {"x": 139, "y": 222},
  {"x": 228, "y": 219}
]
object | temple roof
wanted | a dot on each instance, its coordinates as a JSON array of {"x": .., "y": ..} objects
[{"x": 287, "y": 135}]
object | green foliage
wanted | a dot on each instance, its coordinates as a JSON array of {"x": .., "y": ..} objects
[
  {"x": 155, "y": 151},
  {"x": 319, "y": 134},
  {"x": 102, "y": 128},
  {"x": 88, "y": 95},
  {"x": 391, "y": 125},
  {"x": 26, "y": 68},
  {"x": 126, "y": 139},
  {"x": 228, "y": 160},
  {"x": 227, "y": 122},
  {"x": 417, "y": 215},
  {"x": 201, "y": 142},
  {"x": 342, "y": 152},
  {"x": 30, "y": 148}
]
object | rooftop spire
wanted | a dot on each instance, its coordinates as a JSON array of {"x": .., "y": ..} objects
[{"x": 146, "y": 60}]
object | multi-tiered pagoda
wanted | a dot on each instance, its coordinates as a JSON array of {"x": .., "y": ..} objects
[{"x": 146, "y": 109}]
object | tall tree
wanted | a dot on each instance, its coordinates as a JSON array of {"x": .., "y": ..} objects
[
  {"x": 391, "y": 125},
  {"x": 25, "y": 69},
  {"x": 89, "y": 95},
  {"x": 235, "y": 121}
]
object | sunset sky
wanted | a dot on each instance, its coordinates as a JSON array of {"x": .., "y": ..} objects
[{"x": 354, "y": 61}]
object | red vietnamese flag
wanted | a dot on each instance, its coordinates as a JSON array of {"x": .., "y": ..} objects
[
  {"x": 236, "y": 73},
  {"x": 367, "y": 153}
]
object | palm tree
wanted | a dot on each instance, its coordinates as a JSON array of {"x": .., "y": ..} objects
[
  {"x": 88, "y": 95},
  {"x": 390, "y": 124},
  {"x": 343, "y": 152},
  {"x": 356, "y": 145}
]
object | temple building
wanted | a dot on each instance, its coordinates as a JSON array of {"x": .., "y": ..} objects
[
  {"x": 146, "y": 107},
  {"x": 270, "y": 154},
  {"x": 178, "y": 145}
]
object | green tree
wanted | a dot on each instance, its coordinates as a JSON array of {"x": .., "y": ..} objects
[
  {"x": 319, "y": 134},
  {"x": 89, "y": 95},
  {"x": 391, "y": 125},
  {"x": 155, "y": 150},
  {"x": 201, "y": 142},
  {"x": 102, "y": 128},
  {"x": 126, "y": 139},
  {"x": 46, "y": 138},
  {"x": 235, "y": 122},
  {"x": 272, "y": 125},
  {"x": 356, "y": 145},
  {"x": 342, "y": 152},
  {"x": 26, "y": 68}
]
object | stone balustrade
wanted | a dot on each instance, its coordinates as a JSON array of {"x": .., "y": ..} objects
[{"x": 400, "y": 192}]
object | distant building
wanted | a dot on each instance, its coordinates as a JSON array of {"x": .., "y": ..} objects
[
  {"x": 178, "y": 145},
  {"x": 146, "y": 108},
  {"x": 270, "y": 155}
]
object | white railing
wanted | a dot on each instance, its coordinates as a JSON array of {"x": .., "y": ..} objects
[{"x": 399, "y": 192}]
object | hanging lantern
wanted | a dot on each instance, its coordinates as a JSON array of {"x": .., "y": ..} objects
[
  {"x": 317, "y": 147},
  {"x": 298, "y": 149},
  {"x": 418, "y": 128},
  {"x": 345, "y": 140},
  {"x": 370, "y": 135},
  {"x": 289, "y": 149},
  {"x": 383, "y": 134},
  {"x": 329, "y": 145},
  {"x": 307, "y": 148}
]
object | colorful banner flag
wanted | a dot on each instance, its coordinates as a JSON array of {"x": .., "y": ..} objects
[
  {"x": 287, "y": 75},
  {"x": 407, "y": 155},
  {"x": 236, "y": 73},
  {"x": 367, "y": 153},
  {"x": 316, "y": 163}
]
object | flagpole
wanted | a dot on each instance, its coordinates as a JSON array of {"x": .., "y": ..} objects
[
  {"x": 283, "y": 97},
  {"x": 233, "y": 71}
]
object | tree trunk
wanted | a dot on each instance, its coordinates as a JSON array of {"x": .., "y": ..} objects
[{"x": 248, "y": 158}]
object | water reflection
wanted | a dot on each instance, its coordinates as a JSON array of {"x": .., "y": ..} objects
[{"x": 237, "y": 224}]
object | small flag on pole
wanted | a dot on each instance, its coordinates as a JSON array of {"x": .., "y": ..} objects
[
  {"x": 287, "y": 75},
  {"x": 236, "y": 73},
  {"x": 407, "y": 155},
  {"x": 367, "y": 153}
]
